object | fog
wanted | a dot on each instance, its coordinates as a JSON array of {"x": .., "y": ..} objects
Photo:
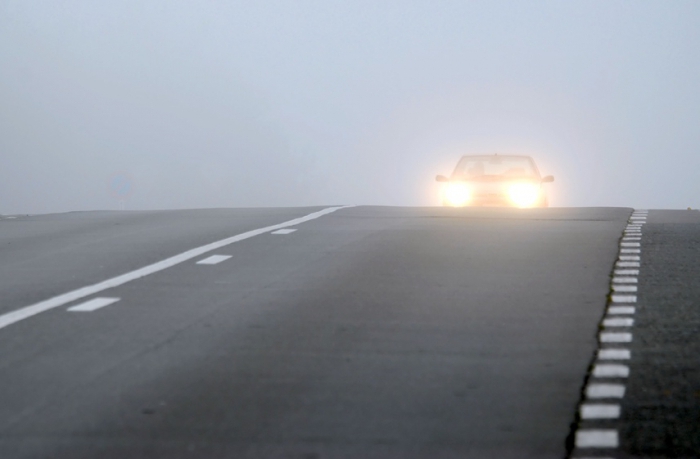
[{"x": 285, "y": 103}]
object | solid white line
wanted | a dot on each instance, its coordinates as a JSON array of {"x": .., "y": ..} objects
[
  {"x": 611, "y": 371},
  {"x": 621, "y": 310},
  {"x": 624, "y": 280},
  {"x": 590, "y": 438},
  {"x": 614, "y": 354},
  {"x": 618, "y": 322},
  {"x": 36, "y": 308},
  {"x": 93, "y": 304},
  {"x": 605, "y": 391},
  {"x": 627, "y": 272},
  {"x": 600, "y": 411},
  {"x": 624, "y": 288},
  {"x": 284, "y": 231},
  {"x": 214, "y": 259},
  {"x": 615, "y": 337}
]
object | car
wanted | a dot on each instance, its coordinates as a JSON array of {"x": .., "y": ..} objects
[{"x": 495, "y": 180}]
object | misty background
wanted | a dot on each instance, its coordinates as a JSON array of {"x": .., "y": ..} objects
[{"x": 285, "y": 103}]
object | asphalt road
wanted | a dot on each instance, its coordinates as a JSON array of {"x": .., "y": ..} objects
[{"x": 369, "y": 332}]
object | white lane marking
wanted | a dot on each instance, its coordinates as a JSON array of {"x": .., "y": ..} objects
[
  {"x": 605, "y": 391},
  {"x": 600, "y": 411},
  {"x": 624, "y": 280},
  {"x": 594, "y": 438},
  {"x": 624, "y": 298},
  {"x": 630, "y": 244},
  {"x": 624, "y": 288},
  {"x": 622, "y": 310},
  {"x": 284, "y": 231},
  {"x": 37, "y": 308},
  {"x": 615, "y": 337},
  {"x": 627, "y": 272},
  {"x": 10, "y": 218},
  {"x": 606, "y": 370},
  {"x": 93, "y": 304},
  {"x": 618, "y": 322},
  {"x": 629, "y": 258},
  {"x": 627, "y": 264},
  {"x": 214, "y": 259},
  {"x": 630, "y": 250},
  {"x": 632, "y": 238},
  {"x": 614, "y": 354}
]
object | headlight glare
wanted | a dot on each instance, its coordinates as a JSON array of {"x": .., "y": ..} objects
[
  {"x": 457, "y": 194},
  {"x": 524, "y": 194}
]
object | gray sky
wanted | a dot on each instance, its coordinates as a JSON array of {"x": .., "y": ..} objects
[{"x": 276, "y": 103}]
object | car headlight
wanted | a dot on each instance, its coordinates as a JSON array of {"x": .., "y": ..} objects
[
  {"x": 524, "y": 194},
  {"x": 457, "y": 194}
]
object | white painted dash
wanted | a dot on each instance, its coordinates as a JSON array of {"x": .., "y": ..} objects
[
  {"x": 630, "y": 244},
  {"x": 592, "y": 438},
  {"x": 624, "y": 280},
  {"x": 284, "y": 231},
  {"x": 630, "y": 258},
  {"x": 605, "y": 391},
  {"x": 618, "y": 322},
  {"x": 627, "y": 272},
  {"x": 633, "y": 251},
  {"x": 615, "y": 337},
  {"x": 607, "y": 370},
  {"x": 93, "y": 304},
  {"x": 624, "y": 288},
  {"x": 214, "y": 259},
  {"x": 627, "y": 264},
  {"x": 622, "y": 310},
  {"x": 624, "y": 298},
  {"x": 614, "y": 354},
  {"x": 600, "y": 411}
]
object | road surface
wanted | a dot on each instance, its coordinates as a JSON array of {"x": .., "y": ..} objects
[{"x": 372, "y": 332}]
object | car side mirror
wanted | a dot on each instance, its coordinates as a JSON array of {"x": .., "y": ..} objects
[
  {"x": 441, "y": 178},
  {"x": 548, "y": 179}
]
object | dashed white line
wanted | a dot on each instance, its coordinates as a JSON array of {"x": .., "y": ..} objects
[
  {"x": 630, "y": 244},
  {"x": 615, "y": 337},
  {"x": 618, "y": 322},
  {"x": 627, "y": 264},
  {"x": 624, "y": 288},
  {"x": 605, "y": 391},
  {"x": 614, "y": 354},
  {"x": 629, "y": 258},
  {"x": 605, "y": 370},
  {"x": 93, "y": 304},
  {"x": 284, "y": 231},
  {"x": 624, "y": 280},
  {"x": 627, "y": 272},
  {"x": 57, "y": 301},
  {"x": 621, "y": 310},
  {"x": 624, "y": 298},
  {"x": 594, "y": 438},
  {"x": 214, "y": 259},
  {"x": 600, "y": 411},
  {"x": 631, "y": 250}
]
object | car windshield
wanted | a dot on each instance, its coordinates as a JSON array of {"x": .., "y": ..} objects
[{"x": 495, "y": 168}]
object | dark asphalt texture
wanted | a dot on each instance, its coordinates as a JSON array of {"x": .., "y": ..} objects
[
  {"x": 661, "y": 409},
  {"x": 371, "y": 332}
]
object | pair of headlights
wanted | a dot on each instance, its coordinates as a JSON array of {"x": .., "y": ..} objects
[{"x": 459, "y": 194}]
